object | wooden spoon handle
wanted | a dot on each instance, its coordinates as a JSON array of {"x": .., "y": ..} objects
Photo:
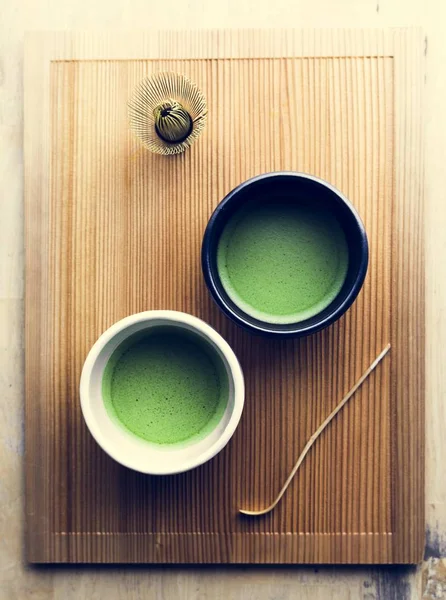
[{"x": 316, "y": 434}]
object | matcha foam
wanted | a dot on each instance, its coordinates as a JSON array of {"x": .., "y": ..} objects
[
  {"x": 282, "y": 262},
  {"x": 165, "y": 386}
]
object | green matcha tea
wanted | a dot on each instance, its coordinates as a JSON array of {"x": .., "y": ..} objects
[
  {"x": 166, "y": 386},
  {"x": 282, "y": 262}
]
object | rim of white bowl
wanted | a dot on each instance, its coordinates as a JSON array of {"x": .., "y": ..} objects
[{"x": 175, "y": 317}]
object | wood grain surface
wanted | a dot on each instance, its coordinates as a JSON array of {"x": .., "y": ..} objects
[{"x": 113, "y": 230}]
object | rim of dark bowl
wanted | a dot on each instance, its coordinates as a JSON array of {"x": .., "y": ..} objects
[{"x": 358, "y": 252}]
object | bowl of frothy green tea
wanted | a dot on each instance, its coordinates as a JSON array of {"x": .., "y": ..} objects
[
  {"x": 161, "y": 392},
  {"x": 284, "y": 254}
]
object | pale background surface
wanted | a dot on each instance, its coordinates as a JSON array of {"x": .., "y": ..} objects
[{"x": 394, "y": 583}]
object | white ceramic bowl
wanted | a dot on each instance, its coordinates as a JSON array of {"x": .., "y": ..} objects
[{"x": 125, "y": 447}]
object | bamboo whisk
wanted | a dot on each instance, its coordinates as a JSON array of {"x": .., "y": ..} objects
[{"x": 167, "y": 113}]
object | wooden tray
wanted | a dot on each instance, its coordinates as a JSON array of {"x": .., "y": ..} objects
[{"x": 112, "y": 230}]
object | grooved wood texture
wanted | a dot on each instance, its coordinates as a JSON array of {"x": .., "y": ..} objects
[{"x": 112, "y": 229}]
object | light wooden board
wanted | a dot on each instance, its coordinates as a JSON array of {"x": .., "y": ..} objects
[{"x": 112, "y": 230}]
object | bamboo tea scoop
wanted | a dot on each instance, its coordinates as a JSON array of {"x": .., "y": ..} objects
[{"x": 316, "y": 434}]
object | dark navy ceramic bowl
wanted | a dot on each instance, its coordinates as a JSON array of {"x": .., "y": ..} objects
[{"x": 288, "y": 184}]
